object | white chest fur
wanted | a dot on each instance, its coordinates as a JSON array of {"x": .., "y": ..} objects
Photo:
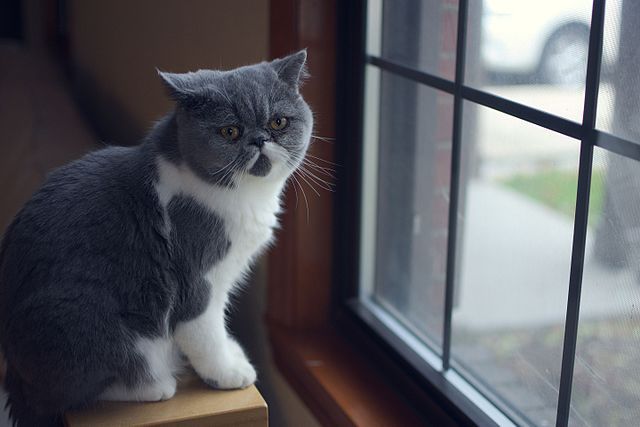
[
  {"x": 249, "y": 229},
  {"x": 249, "y": 213}
]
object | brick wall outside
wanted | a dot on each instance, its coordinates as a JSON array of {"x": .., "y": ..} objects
[{"x": 432, "y": 171}]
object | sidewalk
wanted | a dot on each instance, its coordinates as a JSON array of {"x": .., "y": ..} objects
[{"x": 515, "y": 265}]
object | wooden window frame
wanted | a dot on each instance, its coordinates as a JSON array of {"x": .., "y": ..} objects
[{"x": 345, "y": 374}]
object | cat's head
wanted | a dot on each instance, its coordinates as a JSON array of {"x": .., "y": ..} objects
[{"x": 250, "y": 121}]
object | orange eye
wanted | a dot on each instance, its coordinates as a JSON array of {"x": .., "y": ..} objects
[
  {"x": 279, "y": 123},
  {"x": 230, "y": 133}
]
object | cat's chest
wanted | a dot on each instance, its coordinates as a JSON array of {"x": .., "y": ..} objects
[
  {"x": 216, "y": 241},
  {"x": 248, "y": 232},
  {"x": 216, "y": 232}
]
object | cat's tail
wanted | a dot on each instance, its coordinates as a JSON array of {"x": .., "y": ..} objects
[{"x": 20, "y": 412}]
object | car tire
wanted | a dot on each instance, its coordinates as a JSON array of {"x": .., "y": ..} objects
[{"x": 564, "y": 57}]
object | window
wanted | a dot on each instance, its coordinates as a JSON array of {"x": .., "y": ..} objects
[{"x": 499, "y": 220}]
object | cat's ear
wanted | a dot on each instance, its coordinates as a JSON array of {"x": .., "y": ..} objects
[
  {"x": 178, "y": 85},
  {"x": 291, "y": 69}
]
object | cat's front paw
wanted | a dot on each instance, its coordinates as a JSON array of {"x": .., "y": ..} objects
[{"x": 237, "y": 374}]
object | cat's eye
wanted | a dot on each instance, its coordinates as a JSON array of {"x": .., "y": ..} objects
[
  {"x": 279, "y": 123},
  {"x": 230, "y": 133}
]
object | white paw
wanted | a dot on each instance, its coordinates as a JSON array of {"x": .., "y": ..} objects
[
  {"x": 238, "y": 373},
  {"x": 162, "y": 390}
]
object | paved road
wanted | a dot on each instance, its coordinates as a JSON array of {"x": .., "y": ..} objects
[{"x": 515, "y": 266}]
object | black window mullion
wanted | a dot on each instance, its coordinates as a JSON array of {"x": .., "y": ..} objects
[
  {"x": 454, "y": 182},
  {"x": 478, "y": 96},
  {"x": 582, "y": 209},
  {"x": 524, "y": 112},
  {"x": 412, "y": 74},
  {"x": 616, "y": 145}
]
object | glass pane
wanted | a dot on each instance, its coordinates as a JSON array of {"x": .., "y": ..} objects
[
  {"x": 619, "y": 96},
  {"x": 415, "y": 33},
  {"x": 532, "y": 52},
  {"x": 517, "y": 202},
  {"x": 413, "y": 155},
  {"x": 606, "y": 383}
]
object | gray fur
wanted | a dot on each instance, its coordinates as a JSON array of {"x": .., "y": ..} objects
[{"x": 93, "y": 260}]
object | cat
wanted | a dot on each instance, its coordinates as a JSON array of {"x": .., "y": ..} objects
[{"x": 121, "y": 266}]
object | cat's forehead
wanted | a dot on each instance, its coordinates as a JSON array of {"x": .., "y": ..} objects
[
  {"x": 255, "y": 78},
  {"x": 250, "y": 93}
]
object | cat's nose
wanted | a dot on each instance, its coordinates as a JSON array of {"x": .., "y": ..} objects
[{"x": 258, "y": 141}]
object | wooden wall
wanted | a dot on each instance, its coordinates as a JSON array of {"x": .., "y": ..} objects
[{"x": 116, "y": 45}]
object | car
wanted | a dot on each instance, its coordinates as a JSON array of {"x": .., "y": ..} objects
[{"x": 544, "y": 40}]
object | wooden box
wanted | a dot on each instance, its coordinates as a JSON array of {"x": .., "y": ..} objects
[{"x": 194, "y": 405}]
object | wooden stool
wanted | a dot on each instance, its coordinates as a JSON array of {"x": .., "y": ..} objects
[{"x": 194, "y": 405}]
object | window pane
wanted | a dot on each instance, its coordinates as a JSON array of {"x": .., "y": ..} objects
[
  {"x": 517, "y": 201},
  {"x": 532, "y": 52},
  {"x": 416, "y": 33},
  {"x": 619, "y": 96},
  {"x": 606, "y": 383},
  {"x": 413, "y": 154}
]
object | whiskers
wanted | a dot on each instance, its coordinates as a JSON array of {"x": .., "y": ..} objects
[
  {"x": 310, "y": 172},
  {"x": 316, "y": 173},
  {"x": 323, "y": 138},
  {"x": 224, "y": 175}
]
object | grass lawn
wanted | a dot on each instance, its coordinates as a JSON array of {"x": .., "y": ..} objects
[{"x": 557, "y": 190}]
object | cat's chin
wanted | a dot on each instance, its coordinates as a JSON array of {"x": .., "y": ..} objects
[{"x": 261, "y": 167}]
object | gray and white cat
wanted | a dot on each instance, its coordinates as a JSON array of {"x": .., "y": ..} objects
[{"x": 125, "y": 259}]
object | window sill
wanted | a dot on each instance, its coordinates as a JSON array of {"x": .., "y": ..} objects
[{"x": 340, "y": 386}]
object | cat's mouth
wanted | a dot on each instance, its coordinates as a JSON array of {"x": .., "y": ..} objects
[
  {"x": 261, "y": 165},
  {"x": 271, "y": 157}
]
